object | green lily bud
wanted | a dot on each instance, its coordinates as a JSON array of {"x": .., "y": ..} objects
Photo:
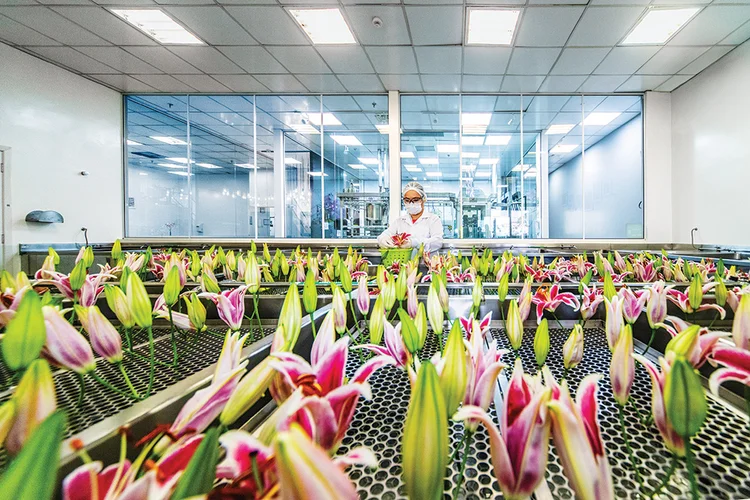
[
  {"x": 310, "y": 293},
  {"x": 434, "y": 310},
  {"x": 138, "y": 301},
  {"x": 720, "y": 268},
  {"x": 424, "y": 446},
  {"x": 585, "y": 280},
  {"x": 221, "y": 257},
  {"x": 116, "y": 252},
  {"x": 291, "y": 316},
  {"x": 408, "y": 331},
  {"x": 687, "y": 270},
  {"x": 381, "y": 276},
  {"x": 88, "y": 257},
  {"x": 55, "y": 256},
  {"x": 25, "y": 334},
  {"x": 336, "y": 258},
  {"x": 284, "y": 264},
  {"x": 401, "y": 286},
  {"x": 684, "y": 343},
  {"x": 695, "y": 292},
  {"x": 377, "y": 321},
  {"x": 200, "y": 473},
  {"x": 514, "y": 325},
  {"x": 720, "y": 291},
  {"x": 266, "y": 252},
  {"x": 172, "y": 286},
  {"x": 345, "y": 277},
  {"x": 118, "y": 303},
  {"x": 208, "y": 279},
  {"x": 420, "y": 321},
  {"x": 7, "y": 417},
  {"x": 78, "y": 275},
  {"x": 684, "y": 398},
  {"x": 477, "y": 294},
  {"x": 502, "y": 289},
  {"x": 454, "y": 376},
  {"x": 389, "y": 294},
  {"x": 196, "y": 312},
  {"x": 609, "y": 287},
  {"x": 195, "y": 264},
  {"x": 541, "y": 342},
  {"x": 248, "y": 391}
]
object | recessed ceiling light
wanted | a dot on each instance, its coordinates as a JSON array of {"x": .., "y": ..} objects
[
  {"x": 292, "y": 161},
  {"x": 134, "y": 143},
  {"x": 407, "y": 154},
  {"x": 304, "y": 128},
  {"x": 346, "y": 140},
  {"x": 383, "y": 129},
  {"x": 469, "y": 154},
  {"x": 329, "y": 119},
  {"x": 488, "y": 161},
  {"x": 357, "y": 166},
  {"x": 563, "y": 148},
  {"x": 428, "y": 161},
  {"x": 659, "y": 25},
  {"x": 469, "y": 140},
  {"x": 317, "y": 174},
  {"x": 171, "y": 165},
  {"x": 412, "y": 168},
  {"x": 433, "y": 174},
  {"x": 368, "y": 161},
  {"x": 559, "y": 129},
  {"x": 447, "y": 148},
  {"x": 245, "y": 165},
  {"x": 158, "y": 26},
  {"x": 491, "y": 26},
  {"x": 600, "y": 118},
  {"x": 169, "y": 140},
  {"x": 475, "y": 123},
  {"x": 497, "y": 140},
  {"x": 209, "y": 166},
  {"x": 483, "y": 174},
  {"x": 323, "y": 26}
]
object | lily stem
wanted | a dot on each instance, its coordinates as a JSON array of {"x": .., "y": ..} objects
[
  {"x": 127, "y": 380},
  {"x": 354, "y": 316},
  {"x": 747, "y": 400},
  {"x": 502, "y": 315},
  {"x": 633, "y": 463},
  {"x": 666, "y": 479},
  {"x": 256, "y": 312},
  {"x": 691, "y": 470},
  {"x": 312, "y": 323},
  {"x": 650, "y": 341},
  {"x": 82, "y": 384},
  {"x": 171, "y": 334},
  {"x": 110, "y": 386},
  {"x": 128, "y": 340},
  {"x": 468, "y": 436},
  {"x": 151, "y": 357},
  {"x": 558, "y": 321}
]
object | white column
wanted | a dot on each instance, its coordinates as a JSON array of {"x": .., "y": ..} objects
[
  {"x": 543, "y": 161},
  {"x": 279, "y": 178},
  {"x": 657, "y": 167},
  {"x": 394, "y": 154}
]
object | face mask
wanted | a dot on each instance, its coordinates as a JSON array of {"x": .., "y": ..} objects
[{"x": 413, "y": 208}]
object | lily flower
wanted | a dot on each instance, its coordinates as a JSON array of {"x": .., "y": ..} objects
[
  {"x": 735, "y": 363},
  {"x": 65, "y": 345},
  {"x": 672, "y": 440},
  {"x": 9, "y": 302},
  {"x": 656, "y": 304},
  {"x": 34, "y": 400},
  {"x": 363, "y": 296},
  {"x": 573, "y": 348},
  {"x": 520, "y": 448},
  {"x": 90, "y": 289},
  {"x": 741, "y": 324},
  {"x": 644, "y": 274},
  {"x": 701, "y": 341},
  {"x": 230, "y": 305},
  {"x": 411, "y": 301},
  {"x": 524, "y": 300},
  {"x": 470, "y": 324},
  {"x": 622, "y": 367},
  {"x": 118, "y": 303},
  {"x": 514, "y": 325},
  {"x": 592, "y": 297},
  {"x": 394, "y": 346},
  {"x": 105, "y": 340},
  {"x": 578, "y": 440},
  {"x": 632, "y": 303},
  {"x": 614, "y": 320},
  {"x": 735, "y": 295},
  {"x": 338, "y": 306},
  {"x": 483, "y": 368},
  {"x": 682, "y": 300},
  {"x": 550, "y": 300}
]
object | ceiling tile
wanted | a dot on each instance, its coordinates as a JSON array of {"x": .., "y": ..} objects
[
  {"x": 202, "y": 83},
  {"x": 392, "y": 32},
  {"x": 346, "y": 58},
  {"x": 125, "y": 2},
  {"x": 269, "y": 25},
  {"x": 604, "y": 26},
  {"x": 240, "y": 83},
  {"x": 436, "y": 25},
  {"x": 16, "y": 33},
  {"x": 706, "y": 59},
  {"x": 66, "y": 2},
  {"x": 404, "y": 83},
  {"x": 106, "y": 25},
  {"x": 680, "y": 2},
  {"x": 579, "y": 61},
  {"x": 321, "y": 83},
  {"x": 161, "y": 58},
  {"x": 439, "y": 59},
  {"x": 351, "y": 2},
  {"x": 495, "y": 2},
  {"x": 212, "y": 25},
  {"x": 206, "y": 59},
  {"x": 441, "y": 83},
  {"x": 562, "y": 83},
  {"x": 619, "y": 2},
  {"x": 52, "y": 24},
  {"x": 18, "y": 2},
  {"x": 164, "y": 83},
  {"x": 673, "y": 83},
  {"x": 623, "y": 60},
  {"x": 603, "y": 83},
  {"x": 474, "y": 83},
  {"x": 392, "y": 59},
  {"x": 532, "y": 61},
  {"x": 712, "y": 24},
  {"x": 281, "y": 83},
  {"x": 486, "y": 60},
  {"x": 123, "y": 83},
  {"x": 558, "y": 2},
  {"x": 253, "y": 59},
  {"x": 118, "y": 59},
  {"x": 640, "y": 83},
  {"x": 73, "y": 59},
  {"x": 740, "y": 35},
  {"x": 547, "y": 26},
  {"x": 300, "y": 59},
  {"x": 670, "y": 60},
  {"x": 361, "y": 83},
  {"x": 513, "y": 83}
]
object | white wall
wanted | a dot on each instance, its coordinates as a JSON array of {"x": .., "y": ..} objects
[
  {"x": 657, "y": 159},
  {"x": 58, "y": 124},
  {"x": 710, "y": 153}
]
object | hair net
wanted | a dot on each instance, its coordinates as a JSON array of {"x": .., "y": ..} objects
[{"x": 415, "y": 186}]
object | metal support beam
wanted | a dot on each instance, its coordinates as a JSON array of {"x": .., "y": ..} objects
[
  {"x": 279, "y": 179},
  {"x": 394, "y": 153}
]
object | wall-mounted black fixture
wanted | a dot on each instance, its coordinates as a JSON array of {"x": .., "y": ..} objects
[{"x": 44, "y": 216}]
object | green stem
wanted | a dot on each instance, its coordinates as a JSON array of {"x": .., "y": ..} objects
[
  {"x": 312, "y": 323},
  {"x": 646, "y": 421},
  {"x": 257, "y": 313},
  {"x": 354, "y": 315},
  {"x": 666, "y": 479},
  {"x": 171, "y": 334},
  {"x": 256, "y": 474},
  {"x": 716, "y": 316},
  {"x": 110, "y": 386},
  {"x": 458, "y": 447},
  {"x": 633, "y": 463},
  {"x": 128, "y": 341},
  {"x": 469, "y": 435},
  {"x": 558, "y": 321},
  {"x": 650, "y": 341},
  {"x": 502, "y": 315},
  {"x": 747, "y": 400},
  {"x": 691, "y": 470},
  {"x": 156, "y": 361},
  {"x": 151, "y": 356},
  {"x": 127, "y": 381},
  {"x": 82, "y": 390}
]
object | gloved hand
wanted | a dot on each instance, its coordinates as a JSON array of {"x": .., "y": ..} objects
[{"x": 388, "y": 244}]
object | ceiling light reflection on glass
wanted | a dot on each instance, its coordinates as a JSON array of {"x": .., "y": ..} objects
[
  {"x": 447, "y": 148},
  {"x": 169, "y": 140},
  {"x": 245, "y": 165},
  {"x": 304, "y": 128},
  {"x": 600, "y": 118},
  {"x": 209, "y": 166},
  {"x": 491, "y": 26},
  {"x": 407, "y": 154},
  {"x": 357, "y": 166},
  {"x": 475, "y": 123},
  {"x": 324, "y": 26},
  {"x": 563, "y": 148},
  {"x": 134, "y": 143},
  {"x": 483, "y": 175},
  {"x": 171, "y": 165},
  {"x": 158, "y": 26},
  {"x": 292, "y": 161},
  {"x": 559, "y": 129},
  {"x": 433, "y": 174},
  {"x": 472, "y": 140},
  {"x": 412, "y": 168},
  {"x": 317, "y": 174},
  {"x": 497, "y": 140},
  {"x": 488, "y": 161},
  {"x": 428, "y": 161},
  {"x": 659, "y": 25},
  {"x": 368, "y": 161},
  {"x": 383, "y": 129},
  {"x": 346, "y": 140},
  {"x": 469, "y": 154},
  {"x": 329, "y": 119}
]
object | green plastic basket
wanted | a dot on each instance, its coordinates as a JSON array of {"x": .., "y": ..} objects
[{"x": 391, "y": 255}]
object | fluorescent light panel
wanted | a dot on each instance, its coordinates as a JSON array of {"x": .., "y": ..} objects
[
  {"x": 428, "y": 161},
  {"x": 329, "y": 119},
  {"x": 497, "y": 140},
  {"x": 159, "y": 26},
  {"x": 559, "y": 129},
  {"x": 433, "y": 174},
  {"x": 469, "y": 140},
  {"x": 368, "y": 161},
  {"x": 383, "y": 129},
  {"x": 407, "y": 154},
  {"x": 209, "y": 166},
  {"x": 447, "y": 148},
  {"x": 292, "y": 161},
  {"x": 324, "y": 26},
  {"x": 317, "y": 174},
  {"x": 412, "y": 168},
  {"x": 659, "y": 25},
  {"x": 171, "y": 165},
  {"x": 169, "y": 140},
  {"x": 600, "y": 118},
  {"x": 304, "y": 128},
  {"x": 357, "y": 166},
  {"x": 134, "y": 143},
  {"x": 245, "y": 165},
  {"x": 491, "y": 26},
  {"x": 346, "y": 140},
  {"x": 563, "y": 148},
  {"x": 180, "y": 160},
  {"x": 183, "y": 174}
]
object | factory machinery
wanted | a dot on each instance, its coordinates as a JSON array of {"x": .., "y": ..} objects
[{"x": 720, "y": 449}]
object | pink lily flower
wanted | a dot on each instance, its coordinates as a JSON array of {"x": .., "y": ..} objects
[
  {"x": 470, "y": 325},
  {"x": 65, "y": 345},
  {"x": 735, "y": 364},
  {"x": 644, "y": 274},
  {"x": 181, "y": 265},
  {"x": 632, "y": 303},
  {"x": 105, "y": 340},
  {"x": 620, "y": 263},
  {"x": 735, "y": 295},
  {"x": 656, "y": 304},
  {"x": 9, "y": 303},
  {"x": 524, "y": 301},
  {"x": 134, "y": 261},
  {"x": 520, "y": 448},
  {"x": 363, "y": 296},
  {"x": 47, "y": 270},
  {"x": 614, "y": 320},
  {"x": 411, "y": 301},
  {"x": 483, "y": 369},
  {"x": 550, "y": 300},
  {"x": 89, "y": 292},
  {"x": 592, "y": 297},
  {"x": 180, "y": 320},
  {"x": 705, "y": 342},
  {"x": 394, "y": 349},
  {"x": 230, "y": 305},
  {"x": 681, "y": 300},
  {"x": 622, "y": 367},
  {"x": 578, "y": 440}
]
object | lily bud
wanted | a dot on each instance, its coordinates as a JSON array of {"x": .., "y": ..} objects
[
  {"x": 541, "y": 342},
  {"x": 401, "y": 286},
  {"x": 88, "y": 256},
  {"x": 514, "y": 325},
  {"x": 377, "y": 321},
  {"x": 695, "y": 292},
  {"x": 105, "y": 340},
  {"x": 684, "y": 343},
  {"x": 502, "y": 289},
  {"x": 118, "y": 303},
  {"x": 622, "y": 367},
  {"x": 35, "y": 400},
  {"x": 363, "y": 296},
  {"x": 424, "y": 446},
  {"x": 453, "y": 376},
  {"x": 408, "y": 331},
  {"x": 7, "y": 417},
  {"x": 310, "y": 293},
  {"x": 266, "y": 252},
  {"x": 172, "y": 286},
  {"x": 389, "y": 294},
  {"x": 684, "y": 398},
  {"x": 335, "y": 258},
  {"x": 609, "y": 287},
  {"x": 345, "y": 277},
  {"x": 573, "y": 348},
  {"x": 196, "y": 312},
  {"x": 411, "y": 301},
  {"x": 741, "y": 323},
  {"x": 248, "y": 391},
  {"x": 252, "y": 274},
  {"x": 338, "y": 305},
  {"x": 65, "y": 345},
  {"x": 116, "y": 252},
  {"x": 138, "y": 301},
  {"x": 208, "y": 280},
  {"x": 434, "y": 310},
  {"x": 291, "y": 316},
  {"x": 477, "y": 294},
  {"x": 443, "y": 293},
  {"x": 420, "y": 321},
  {"x": 78, "y": 275}
]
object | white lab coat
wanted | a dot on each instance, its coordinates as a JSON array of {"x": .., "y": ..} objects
[{"x": 428, "y": 229}]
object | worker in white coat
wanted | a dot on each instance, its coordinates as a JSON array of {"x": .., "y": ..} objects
[{"x": 422, "y": 226}]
